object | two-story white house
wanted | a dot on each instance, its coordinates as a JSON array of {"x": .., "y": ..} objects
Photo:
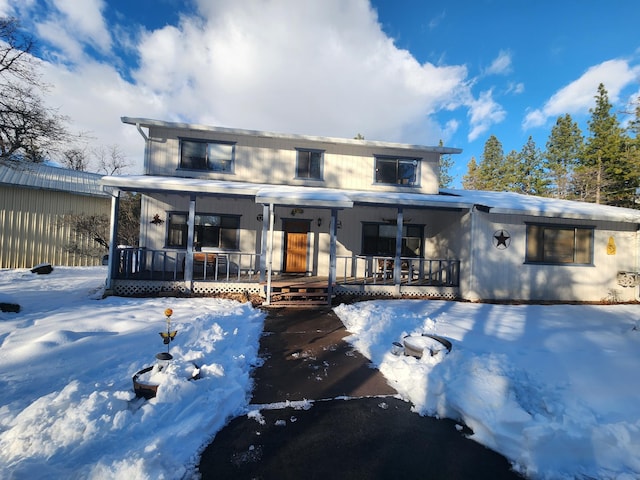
[{"x": 301, "y": 217}]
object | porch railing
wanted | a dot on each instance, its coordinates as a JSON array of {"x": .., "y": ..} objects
[
  {"x": 145, "y": 264},
  {"x": 380, "y": 270}
]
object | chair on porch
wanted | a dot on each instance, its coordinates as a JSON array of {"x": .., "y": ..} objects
[
  {"x": 385, "y": 268},
  {"x": 203, "y": 262}
]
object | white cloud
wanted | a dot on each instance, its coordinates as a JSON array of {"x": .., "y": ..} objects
[
  {"x": 578, "y": 96},
  {"x": 501, "y": 65},
  {"x": 483, "y": 113},
  {"x": 75, "y": 24},
  {"x": 515, "y": 88},
  {"x": 437, "y": 20},
  {"x": 6, "y": 10},
  {"x": 258, "y": 66}
]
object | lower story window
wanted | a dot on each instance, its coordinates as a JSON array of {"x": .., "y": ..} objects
[
  {"x": 559, "y": 244},
  {"x": 380, "y": 239},
  {"x": 216, "y": 231}
]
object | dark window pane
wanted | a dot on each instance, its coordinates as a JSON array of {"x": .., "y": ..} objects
[
  {"x": 315, "y": 165},
  {"x": 584, "y": 245},
  {"x": 386, "y": 171},
  {"x": 309, "y": 164},
  {"x": 193, "y": 155},
  {"x": 407, "y": 172},
  {"x": 220, "y": 156},
  {"x": 177, "y": 231}
]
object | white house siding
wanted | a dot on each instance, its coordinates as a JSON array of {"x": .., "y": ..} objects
[
  {"x": 273, "y": 160},
  {"x": 32, "y": 229},
  {"x": 502, "y": 274}
]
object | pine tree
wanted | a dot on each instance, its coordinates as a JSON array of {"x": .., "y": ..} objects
[
  {"x": 603, "y": 173},
  {"x": 632, "y": 154},
  {"x": 446, "y": 164},
  {"x": 492, "y": 167},
  {"x": 529, "y": 173},
  {"x": 471, "y": 179},
  {"x": 511, "y": 175},
  {"x": 563, "y": 150}
]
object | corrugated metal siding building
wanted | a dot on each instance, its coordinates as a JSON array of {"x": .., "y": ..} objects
[{"x": 34, "y": 200}]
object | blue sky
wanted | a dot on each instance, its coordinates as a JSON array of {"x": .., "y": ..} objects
[{"x": 408, "y": 71}]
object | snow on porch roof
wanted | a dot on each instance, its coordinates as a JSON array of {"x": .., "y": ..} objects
[
  {"x": 304, "y": 197},
  {"x": 507, "y": 203},
  {"x": 276, "y": 194},
  {"x": 511, "y": 203}
]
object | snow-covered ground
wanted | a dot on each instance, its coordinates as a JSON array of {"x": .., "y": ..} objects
[
  {"x": 554, "y": 388},
  {"x": 67, "y": 408}
]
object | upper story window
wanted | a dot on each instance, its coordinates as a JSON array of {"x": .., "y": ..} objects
[
  {"x": 210, "y": 156},
  {"x": 397, "y": 171},
  {"x": 309, "y": 164},
  {"x": 215, "y": 231},
  {"x": 380, "y": 239},
  {"x": 557, "y": 244}
]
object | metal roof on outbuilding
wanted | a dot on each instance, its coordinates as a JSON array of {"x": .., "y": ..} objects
[{"x": 46, "y": 177}]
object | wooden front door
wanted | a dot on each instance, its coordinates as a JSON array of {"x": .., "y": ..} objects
[{"x": 295, "y": 246}]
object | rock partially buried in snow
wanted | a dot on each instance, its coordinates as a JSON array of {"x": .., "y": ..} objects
[
  {"x": 42, "y": 269},
  {"x": 416, "y": 346}
]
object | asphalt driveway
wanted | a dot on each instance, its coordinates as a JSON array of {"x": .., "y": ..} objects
[{"x": 320, "y": 410}]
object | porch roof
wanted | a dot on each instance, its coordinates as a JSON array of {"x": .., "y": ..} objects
[
  {"x": 276, "y": 194},
  {"x": 494, "y": 202}
]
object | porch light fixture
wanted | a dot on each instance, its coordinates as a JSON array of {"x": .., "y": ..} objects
[
  {"x": 157, "y": 220},
  {"x": 260, "y": 217},
  {"x": 319, "y": 221}
]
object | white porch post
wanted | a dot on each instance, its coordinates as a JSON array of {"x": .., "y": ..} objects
[
  {"x": 270, "y": 253},
  {"x": 332, "y": 252},
  {"x": 188, "y": 263},
  {"x": 397, "y": 266},
  {"x": 263, "y": 242},
  {"x": 113, "y": 262}
]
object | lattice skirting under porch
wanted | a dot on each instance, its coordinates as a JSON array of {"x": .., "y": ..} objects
[{"x": 134, "y": 288}]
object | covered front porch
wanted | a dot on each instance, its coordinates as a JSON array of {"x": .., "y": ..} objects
[
  {"x": 288, "y": 216},
  {"x": 142, "y": 271}
]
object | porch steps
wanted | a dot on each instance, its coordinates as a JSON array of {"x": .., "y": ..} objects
[{"x": 299, "y": 295}]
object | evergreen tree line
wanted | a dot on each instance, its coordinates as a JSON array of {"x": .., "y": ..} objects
[{"x": 601, "y": 167}]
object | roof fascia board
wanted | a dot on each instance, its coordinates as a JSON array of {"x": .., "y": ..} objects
[{"x": 149, "y": 123}]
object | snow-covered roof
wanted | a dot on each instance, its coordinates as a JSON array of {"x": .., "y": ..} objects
[
  {"x": 147, "y": 122},
  {"x": 511, "y": 203},
  {"x": 35, "y": 175},
  {"x": 494, "y": 202}
]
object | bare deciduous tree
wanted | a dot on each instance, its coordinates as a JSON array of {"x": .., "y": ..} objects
[
  {"x": 111, "y": 160},
  {"x": 29, "y": 130},
  {"x": 76, "y": 159}
]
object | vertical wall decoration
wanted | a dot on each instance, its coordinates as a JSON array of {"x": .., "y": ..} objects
[{"x": 611, "y": 246}]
